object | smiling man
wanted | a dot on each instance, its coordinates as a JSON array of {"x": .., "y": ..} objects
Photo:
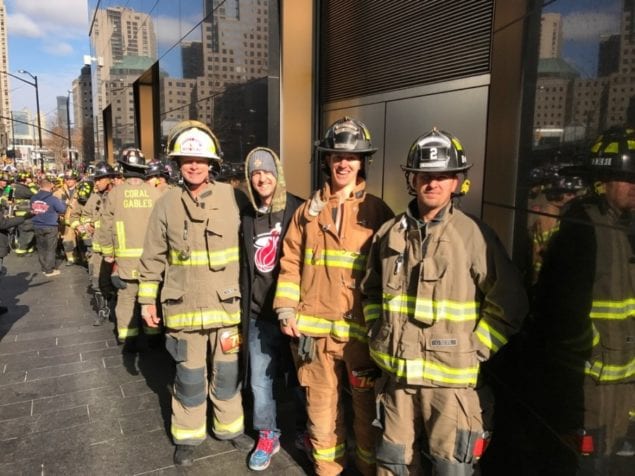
[
  {"x": 191, "y": 250},
  {"x": 442, "y": 297},
  {"x": 318, "y": 299}
]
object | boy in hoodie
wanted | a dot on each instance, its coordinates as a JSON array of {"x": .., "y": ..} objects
[
  {"x": 262, "y": 228},
  {"x": 46, "y": 209}
]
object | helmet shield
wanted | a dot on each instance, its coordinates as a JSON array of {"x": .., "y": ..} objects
[
  {"x": 436, "y": 151},
  {"x": 613, "y": 154},
  {"x": 347, "y": 135}
]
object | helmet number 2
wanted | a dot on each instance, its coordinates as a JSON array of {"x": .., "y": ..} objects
[{"x": 433, "y": 153}]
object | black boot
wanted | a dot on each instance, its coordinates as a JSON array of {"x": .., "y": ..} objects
[{"x": 184, "y": 455}]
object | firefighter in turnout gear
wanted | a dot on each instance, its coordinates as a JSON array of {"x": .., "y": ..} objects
[
  {"x": 89, "y": 225},
  {"x": 588, "y": 322},
  {"x": 191, "y": 250},
  {"x": 67, "y": 194},
  {"x": 442, "y": 296},
  {"x": 123, "y": 228},
  {"x": 22, "y": 194},
  {"x": 318, "y": 298}
]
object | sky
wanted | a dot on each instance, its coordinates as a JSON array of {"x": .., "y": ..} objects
[{"x": 48, "y": 38}]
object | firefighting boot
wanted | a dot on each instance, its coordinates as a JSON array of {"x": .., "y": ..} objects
[{"x": 184, "y": 455}]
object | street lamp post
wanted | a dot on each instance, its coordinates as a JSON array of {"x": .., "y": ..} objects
[
  {"x": 37, "y": 107},
  {"x": 68, "y": 125}
]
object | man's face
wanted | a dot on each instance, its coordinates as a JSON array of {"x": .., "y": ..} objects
[
  {"x": 194, "y": 170},
  {"x": 434, "y": 190},
  {"x": 344, "y": 169},
  {"x": 70, "y": 182},
  {"x": 102, "y": 183},
  {"x": 264, "y": 183},
  {"x": 621, "y": 194}
]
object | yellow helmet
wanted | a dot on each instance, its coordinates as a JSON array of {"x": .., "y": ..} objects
[{"x": 193, "y": 139}]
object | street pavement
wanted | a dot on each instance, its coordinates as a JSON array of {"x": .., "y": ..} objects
[{"x": 72, "y": 404}]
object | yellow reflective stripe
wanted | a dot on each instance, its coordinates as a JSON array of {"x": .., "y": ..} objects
[
  {"x": 330, "y": 454},
  {"x": 365, "y": 455},
  {"x": 186, "y": 434},
  {"x": 151, "y": 331},
  {"x": 203, "y": 258},
  {"x": 97, "y": 224},
  {"x": 125, "y": 332},
  {"x": 107, "y": 250},
  {"x": 489, "y": 336},
  {"x": 128, "y": 253},
  {"x": 148, "y": 289},
  {"x": 231, "y": 428},
  {"x": 201, "y": 318},
  {"x": 336, "y": 259},
  {"x": 75, "y": 224},
  {"x": 84, "y": 220},
  {"x": 318, "y": 326},
  {"x": 423, "y": 369},
  {"x": 371, "y": 312},
  {"x": 288, "y": 290},
  {"x": 613, "y": 309},
  {"x": 120, "y": 229},
  {"x": 428, "y": 310},
  {"x": 610, "y": 373},
  {"x": 96, "y": 247}
]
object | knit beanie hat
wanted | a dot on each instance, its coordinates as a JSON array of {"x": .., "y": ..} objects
[{"x": 262, "y": 160}]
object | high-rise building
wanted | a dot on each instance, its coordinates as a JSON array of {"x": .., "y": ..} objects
[
  {"x": 62, "y": 111},
  {"x": 5, "y": 105},
  {"x": 83, "y": 113},
  {"x": 608, "y": 55},
  {"x": 550, "y": 35},
  {"x": 124, "y": 43}
]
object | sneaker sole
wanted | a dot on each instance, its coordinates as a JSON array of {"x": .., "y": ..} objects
[{"x": 262, "y": 468}]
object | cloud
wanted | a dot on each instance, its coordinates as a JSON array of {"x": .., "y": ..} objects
[
  {"x": 170, "y": 30},
  {"x": 22, "y": 25},
  {"x": 66, "y": 18},
  {"x": 58, "y": 48},
  {"x": 589, "y": 25}
]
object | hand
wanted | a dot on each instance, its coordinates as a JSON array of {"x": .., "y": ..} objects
[
  {"x": 109, "y": 259},
  {"x": 288, "y": 324},
  {"x": 149, "y": 315}
]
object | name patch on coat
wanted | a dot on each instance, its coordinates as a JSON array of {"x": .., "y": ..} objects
[{"x": 443, "y": 343}]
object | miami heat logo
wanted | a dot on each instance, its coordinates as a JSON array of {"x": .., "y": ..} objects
[{"x": 266, "y": 249}]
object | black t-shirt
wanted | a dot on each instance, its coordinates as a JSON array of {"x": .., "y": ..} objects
[{"x": 267, "y": 235}]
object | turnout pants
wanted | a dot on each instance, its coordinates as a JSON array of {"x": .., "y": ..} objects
[
  {"x": 443, "y": 423},
  {"x": 337, "y": 364},
  {"x": 191, "y": 387},
  {"x": 128, "y": 313}
]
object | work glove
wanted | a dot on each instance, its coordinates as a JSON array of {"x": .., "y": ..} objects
[
  {"x": 116, "y": 281},
  {"x": 306, "y": 349},
  {"x": 316, "y": 205}
]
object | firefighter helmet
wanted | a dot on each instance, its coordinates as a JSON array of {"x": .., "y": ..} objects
[
  {"x": 132, "y": 159},
  {"x": 84, "y": 189},
  {"x": 193, "y": 139},
  {"x": 436, "y": 151},
  {"x": 156, "y": 168},
  {"x": 346, "y": 135},
  {"x": 71, "y": 175},
  {"x": 103, "y": 169},
  {"x": 613, "y": 154}
]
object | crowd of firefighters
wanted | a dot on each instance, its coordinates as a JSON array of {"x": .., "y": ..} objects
[{"x": 241, "y": 281}]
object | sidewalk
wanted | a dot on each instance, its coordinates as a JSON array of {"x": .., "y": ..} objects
[{"x": 71, "y": 404}]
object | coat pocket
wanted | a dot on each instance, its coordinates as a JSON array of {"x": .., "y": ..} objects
[
  {"x": 451, "y": 360},
  {"x": 171, "y": 295},
  {"x": 229, "y": 297}
]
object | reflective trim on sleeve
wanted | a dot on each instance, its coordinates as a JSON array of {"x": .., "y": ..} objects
[
  {"x": 288, "y": 290},
  {"x": 127, "y": 332},
  {"x": 148, "y": 289},
  {"x": 372, "y": 312},
  {"x": 421, "y": 369},
  {"x": 489, "y": 337},
  {"x": 618, "y": 310},
  {"x": 203, "y": 258},
  {"x": 610, "y": 373},
  {"x": 429, "y": 311},
  {"x": 336, "y": 259},
  {"x": 202, "y": 318},
  {"x": 341, "y": 329}
]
